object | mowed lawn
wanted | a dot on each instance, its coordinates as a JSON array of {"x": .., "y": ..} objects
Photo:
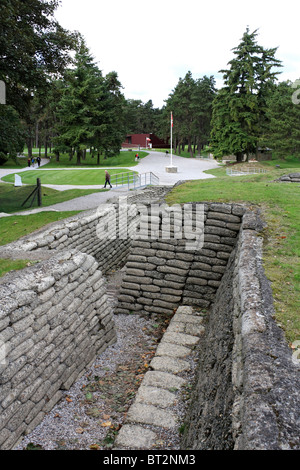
[{"x": 74, "y": 177}]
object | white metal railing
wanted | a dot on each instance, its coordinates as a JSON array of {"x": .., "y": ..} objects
[
  {"x": 245, "y": 171},
  {"x": 134, "y": 180}
]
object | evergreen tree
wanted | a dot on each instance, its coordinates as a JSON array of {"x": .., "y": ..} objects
[
  {"x": 191, "y": 104},
  {"x": 109, "y": 121},
  {"x": 239, "y": 109},
  {"x": 283, "y": 132},
  {"x": 84, "y": 87},
  {"x": 90, "y": 112},
  {"x": 142, "y": 118}
]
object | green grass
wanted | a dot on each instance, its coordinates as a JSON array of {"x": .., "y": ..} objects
[
  {"x": 11, "y": 198},
  {"x": 123, "y": 159},
  {"x": 7, "y": 265},
  {"x": 14, "y": 227},
  {"x": 279, "y": 203},
  {"x": 64, "y": 177}
]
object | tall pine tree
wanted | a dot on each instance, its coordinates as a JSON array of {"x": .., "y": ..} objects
[
  {"x": 239, "y": 109},
  {"x": 283, "y": 131},
  {"x": 91, "y": 109}
]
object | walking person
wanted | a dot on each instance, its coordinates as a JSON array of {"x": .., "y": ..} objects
[
  {"x": 38, "y": 161},
  {"x": 107, "y": 179}
]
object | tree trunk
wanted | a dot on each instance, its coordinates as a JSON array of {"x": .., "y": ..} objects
[
  {"x": 190, "y": 149},
  {"x": 239, "y": 157},
  {"x": 29, "y": 145},
  {"x": 37, "y": 134},
  {"x": 78, "y": 157}
]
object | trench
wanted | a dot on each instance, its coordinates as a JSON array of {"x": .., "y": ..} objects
[{"x": 219, "y": 370}]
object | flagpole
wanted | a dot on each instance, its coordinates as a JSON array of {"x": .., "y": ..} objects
[{"x": 171, "y": 138}]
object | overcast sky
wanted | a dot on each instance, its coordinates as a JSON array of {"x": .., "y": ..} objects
[{"x": 151, "y": 44}]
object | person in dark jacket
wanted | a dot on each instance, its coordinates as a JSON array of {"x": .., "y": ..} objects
[{"x": 107, "y": 179}]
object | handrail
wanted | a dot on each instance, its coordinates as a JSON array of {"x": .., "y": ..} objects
[{"x": 134, "y": 180}]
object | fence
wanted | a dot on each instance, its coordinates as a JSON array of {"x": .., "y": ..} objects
[
  {"x": 14, "y": 198},
  {"x": 134, "y": 180},
  {"x": 245, "y": 171}
]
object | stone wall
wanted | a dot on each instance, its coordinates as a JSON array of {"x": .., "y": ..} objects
[{"x": 246, "y": 395}]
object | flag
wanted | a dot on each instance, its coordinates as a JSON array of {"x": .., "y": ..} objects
[{"x": 172, "y": 119}]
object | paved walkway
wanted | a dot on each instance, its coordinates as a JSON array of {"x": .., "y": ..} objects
[{"x": 187, "y": 169}]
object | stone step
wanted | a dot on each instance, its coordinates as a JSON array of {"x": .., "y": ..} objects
[{"x": 153, "y": 412}]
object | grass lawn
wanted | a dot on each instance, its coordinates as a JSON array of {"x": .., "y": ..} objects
[
  {"x": 125, "y": 158},
  {"x": 280, "y": 204},
  {"x": 11, "y": 198},
  {"x": 65, "y": 177}
]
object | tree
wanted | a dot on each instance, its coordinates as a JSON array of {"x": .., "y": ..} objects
[
  {"x": 90, "y": 111},
  {"x": 33, "y": 46},
  {"x": 283, "y": 132},
  {"x": 12, "y": 133},
  {"x": 191, "y": 104},
  {"x": 142, "y": 118},
  {"x": 239, "y": 109},
  {"x": 33, "y": 49},
  {"x": 75, "y": 111}
]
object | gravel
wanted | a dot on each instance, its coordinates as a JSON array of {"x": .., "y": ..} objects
[{"x": 87, "y": 410}]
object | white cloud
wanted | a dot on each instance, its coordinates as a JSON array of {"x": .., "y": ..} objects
[{"x": 150, "y": 44}]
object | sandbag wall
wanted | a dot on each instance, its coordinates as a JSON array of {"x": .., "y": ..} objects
[
  {"x": 95, "y": 232},
  {"x": 162, "y": 273},
  {"x": 54, "y": 320},
  {"x": 55, "y": 317}
]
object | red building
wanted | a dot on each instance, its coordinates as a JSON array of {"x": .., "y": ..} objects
[{"x": 144, "y": 141}]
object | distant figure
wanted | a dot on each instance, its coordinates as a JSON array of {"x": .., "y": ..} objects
[
  {"x": 137, "y": 157},
  {"x": 28, "y": 162},
  {"x": 38, "y": 161},
  {"x": 32, "y": 161},
  {"x": 107, "y": 179},
  {"x": 167, "y": 153}
]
